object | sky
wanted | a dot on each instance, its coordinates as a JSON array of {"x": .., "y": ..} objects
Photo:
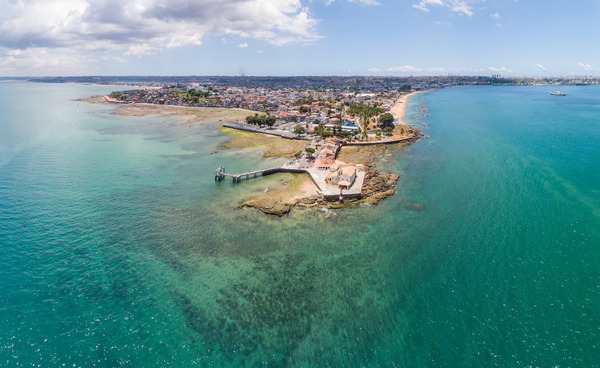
[{"x": 300, "y": 37}]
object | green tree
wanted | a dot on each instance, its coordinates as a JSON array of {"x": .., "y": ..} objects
[
  {"x": 299, "y": 129},
  {"x": 252, "y": 119},
  {"x": 270, "y": 120},
  {"x": 386, "y": 120},
  {"x": 305, "y": 100},
  {"x": 304, "y": 109}
]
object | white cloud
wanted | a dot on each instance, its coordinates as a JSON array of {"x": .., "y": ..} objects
[
  {"x": 366, "y": 2},
  {"x": 501, "y": 69},
  {"x": 414, "y": 70},
  {"x": 495, "y": 16},
  {"x": 142, "y": 27},
  {"x": 421, "y": 7},
  {"x": 243, "y": 45},
  {"x": 463, "y": 7},
  {"x": 52, "y": 61},
  {"x": 405, "y": 69},
  {"x": 424, "y": 4},
  {"x": 456, "y": 6},
  {"x": 374, "y": 70},
  {"x": 587, "y": 67},
  {"x": 141, "y": 50},
  {"x": 363, "y": 2},
  {"x": 260, "y": 52},
  {"x": 541, "y": 67}
]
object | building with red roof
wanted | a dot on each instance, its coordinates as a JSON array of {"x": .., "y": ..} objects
[{"x": 324, "y": 163}]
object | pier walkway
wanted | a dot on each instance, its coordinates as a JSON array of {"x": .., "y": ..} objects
[
  {"x": 317, "y": 176},
  {"x": 238, "y": 177}
]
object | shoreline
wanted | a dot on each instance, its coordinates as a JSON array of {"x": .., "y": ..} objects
[{"x": 399, "y": 108}]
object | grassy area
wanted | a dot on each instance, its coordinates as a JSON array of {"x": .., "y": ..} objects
[
  {"x": 239, "y": 133},
  {"x": 276, "y": 147}
]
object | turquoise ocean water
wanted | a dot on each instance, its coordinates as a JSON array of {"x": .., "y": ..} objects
[{"x": 117, "y": 248}]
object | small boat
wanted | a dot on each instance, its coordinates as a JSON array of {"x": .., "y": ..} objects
[{"x": 558, "y": 93}]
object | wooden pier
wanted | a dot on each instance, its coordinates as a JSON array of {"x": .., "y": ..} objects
[{"x": 220, "y": 173}]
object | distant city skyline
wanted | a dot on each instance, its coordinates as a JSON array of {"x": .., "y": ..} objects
[{"x": 299, "y": 37}]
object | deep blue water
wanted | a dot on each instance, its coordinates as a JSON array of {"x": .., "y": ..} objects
[{"x": 118, "y": 249}]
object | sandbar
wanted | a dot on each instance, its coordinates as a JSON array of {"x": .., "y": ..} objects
[{"x": 191, "y": 114}]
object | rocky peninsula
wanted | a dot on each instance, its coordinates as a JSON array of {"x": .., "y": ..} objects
[{"x": 296, "y": 190}]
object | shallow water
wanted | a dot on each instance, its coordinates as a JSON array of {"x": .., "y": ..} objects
[{"x": 119, "y": 249}]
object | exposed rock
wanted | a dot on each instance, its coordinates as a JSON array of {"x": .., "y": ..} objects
[{"x": 269, "y": 206}]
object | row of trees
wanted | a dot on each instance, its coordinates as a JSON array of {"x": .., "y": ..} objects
[{"x": 261, "y": 120}]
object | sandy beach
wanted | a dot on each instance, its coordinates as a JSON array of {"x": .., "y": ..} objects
[
  {"x": 398, "y": 110},
  {"x": 402, "y": 130}
]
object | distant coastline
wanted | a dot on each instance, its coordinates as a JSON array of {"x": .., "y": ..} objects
[{"x": 352, "y": 82}]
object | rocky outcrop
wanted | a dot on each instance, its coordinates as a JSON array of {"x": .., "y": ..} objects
[
  {"x": 269, "y": 206},
  {"x": 378, "y": 186}
]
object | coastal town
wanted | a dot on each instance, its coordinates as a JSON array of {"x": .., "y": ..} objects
[{"x": 341, "y": 112}]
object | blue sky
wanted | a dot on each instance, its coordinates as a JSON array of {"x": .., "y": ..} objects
[{"x": 299, "y": 37}]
